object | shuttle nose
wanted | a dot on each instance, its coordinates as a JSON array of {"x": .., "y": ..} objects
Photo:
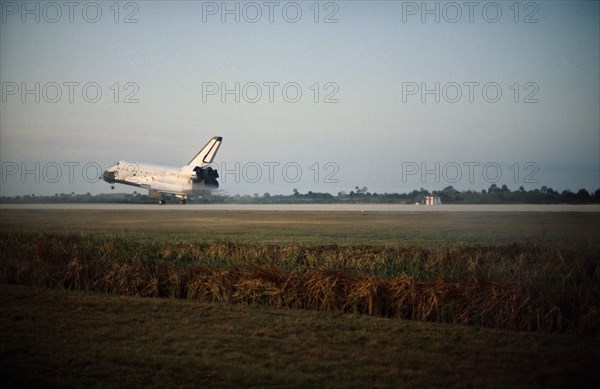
[{"x": 108, "y": 176}]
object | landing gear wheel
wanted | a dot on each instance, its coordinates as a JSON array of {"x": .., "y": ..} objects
[
  {"x": 161, "y": 202},
  {"x": 183, "y": 201}
]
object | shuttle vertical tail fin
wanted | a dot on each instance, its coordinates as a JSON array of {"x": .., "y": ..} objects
[{"x": 208, "y": 153}]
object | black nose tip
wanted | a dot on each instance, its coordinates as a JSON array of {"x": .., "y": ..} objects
[{"x": 108, "y": 176}]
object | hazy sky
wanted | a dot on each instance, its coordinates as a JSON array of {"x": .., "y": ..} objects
[{"x": 330, "y": 95}]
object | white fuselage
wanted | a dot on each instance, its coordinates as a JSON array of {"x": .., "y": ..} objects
[{"x": 179, "y": 182}]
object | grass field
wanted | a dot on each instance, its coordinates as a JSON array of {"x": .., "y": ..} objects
[
  {"x": 71, "y": 338},
  {"x": 389, "y": 228},
  {"x": 505, "y": 266}
]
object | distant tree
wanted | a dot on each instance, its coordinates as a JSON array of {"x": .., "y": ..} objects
[
  {"x": 582, "y": 195},
  {"x": 567, "y": 196}
]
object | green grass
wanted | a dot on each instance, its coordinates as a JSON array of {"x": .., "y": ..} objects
[
  {"x": 71, "y": 338},
  {"x": 575, "y": 229}
]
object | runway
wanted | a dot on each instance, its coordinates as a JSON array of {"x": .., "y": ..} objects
[{"x": 318, "y": 207}]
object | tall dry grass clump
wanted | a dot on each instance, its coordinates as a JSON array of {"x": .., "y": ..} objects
[{"x": 519, "y": 286}]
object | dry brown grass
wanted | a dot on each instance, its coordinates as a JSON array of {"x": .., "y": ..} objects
[{"x": 520, "y": 287}]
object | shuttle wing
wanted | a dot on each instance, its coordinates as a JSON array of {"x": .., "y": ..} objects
[{"x": 163, "y": 188}]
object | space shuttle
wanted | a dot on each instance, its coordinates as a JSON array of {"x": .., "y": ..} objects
[{"x": 195, "y": 178}]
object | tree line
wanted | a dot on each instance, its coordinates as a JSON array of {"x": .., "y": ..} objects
[{"x": 448, "y": 195}]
